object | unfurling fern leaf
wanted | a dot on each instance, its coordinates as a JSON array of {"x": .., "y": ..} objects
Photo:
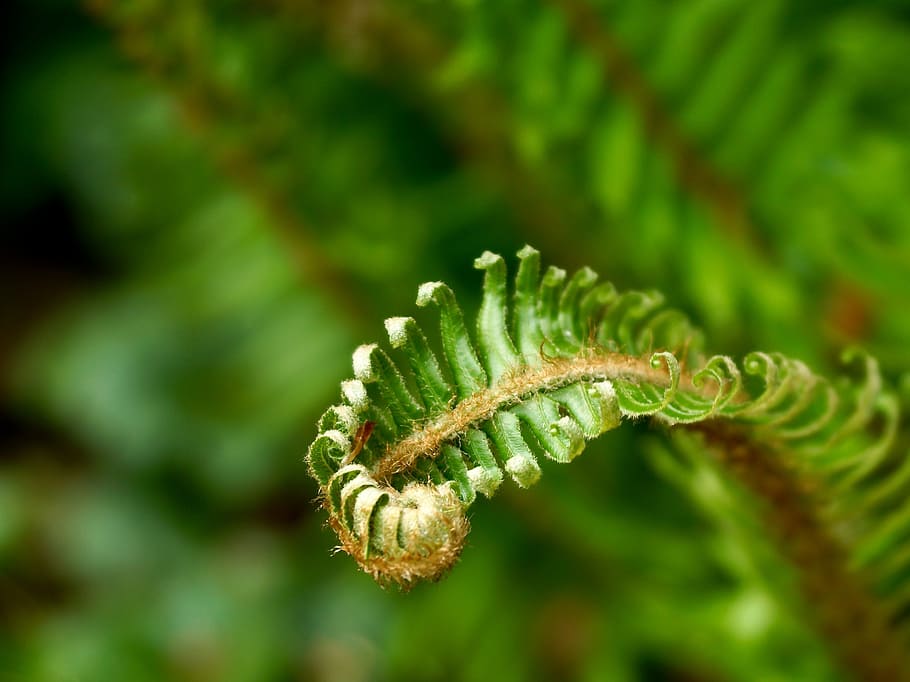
[{"x": 403, "y": 456}]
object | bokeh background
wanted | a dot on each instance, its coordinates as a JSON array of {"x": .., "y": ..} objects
[{"x": 206, "y": 205}]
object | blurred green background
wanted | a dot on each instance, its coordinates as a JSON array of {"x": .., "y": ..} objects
[{"x": 206, "y": 205}]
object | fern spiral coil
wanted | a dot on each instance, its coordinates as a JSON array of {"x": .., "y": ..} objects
[{"x": 565, "y": 362}]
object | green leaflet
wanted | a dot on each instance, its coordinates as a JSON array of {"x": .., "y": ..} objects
[{"x": 556, "y": 363}]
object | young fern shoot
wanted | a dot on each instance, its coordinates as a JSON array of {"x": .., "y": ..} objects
[{"x": 404, "y": 455}]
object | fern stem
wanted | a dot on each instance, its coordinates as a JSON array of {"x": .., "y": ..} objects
[
  {"x": 405, "y": 56},
  {"x": 694, "y": 171},
  {"x": 851, "y": 620},
  {"x": 512, "y": 388},
  {"x": 204, "y": 105}
]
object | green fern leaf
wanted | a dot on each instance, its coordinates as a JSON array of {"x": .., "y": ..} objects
[{"x": 404, "y": 454}]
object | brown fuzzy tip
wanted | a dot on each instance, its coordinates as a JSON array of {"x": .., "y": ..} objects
[{"x": 417, "y": 535}]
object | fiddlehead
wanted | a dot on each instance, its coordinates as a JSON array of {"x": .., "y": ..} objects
[{"x": 567, "y": 361}]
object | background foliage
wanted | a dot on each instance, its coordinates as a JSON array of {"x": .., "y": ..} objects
[{"x": 207, "y": 205}]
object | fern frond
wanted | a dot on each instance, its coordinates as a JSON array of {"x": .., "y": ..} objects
[{"x": 568, "y": 360}]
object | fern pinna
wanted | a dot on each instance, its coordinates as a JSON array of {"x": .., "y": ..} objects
[{"x": 405, "y": 453}]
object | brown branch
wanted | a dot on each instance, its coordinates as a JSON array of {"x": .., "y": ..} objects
[
  {"x": 201, "y": 102},
  {"x": 402, "y": 55},
  {"x": 853, "y": 622},
  {"x": 426, "y": 440},
  {"x": 694, "y": 171}
]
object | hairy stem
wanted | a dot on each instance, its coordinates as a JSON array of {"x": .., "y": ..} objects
[
  {"x": 512, "y": 388},
  {"x": 852, "y": 622}
]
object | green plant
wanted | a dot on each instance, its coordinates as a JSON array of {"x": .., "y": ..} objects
[
  {"x": 211, "y": 202},
  {"x": 404, "y": 455}
]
